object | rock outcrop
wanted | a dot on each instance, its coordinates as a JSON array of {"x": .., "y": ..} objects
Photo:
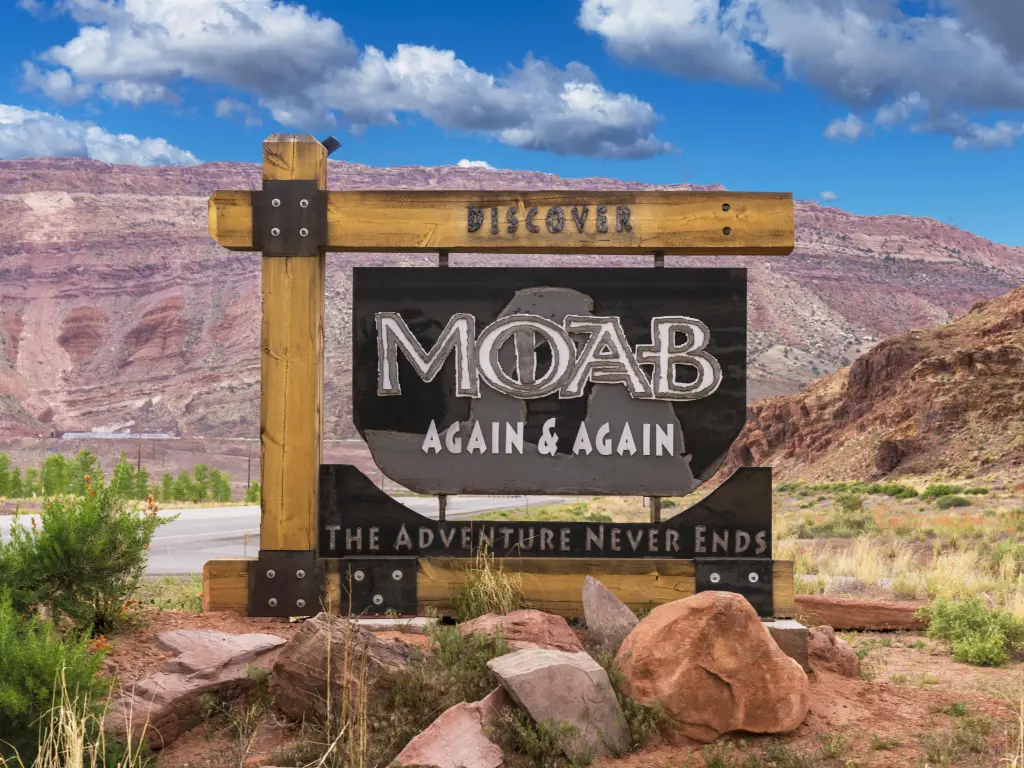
[
  {"x": 826, "y": 651},
  {"x": 526, "y": 629},
  {"x": 714, "y": 667}
]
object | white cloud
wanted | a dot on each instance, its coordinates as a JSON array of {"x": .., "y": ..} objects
[
  {"x": 233, "y": 107},
  {"x": 27, "y": 133},
  {"x": 850, "y": 128},
  {"x": 1002, "y": 135},
  {"x": 475, "y": 164},
  {"x": 829, "y": 197},
  {"x": 302, "y": 68},
  {"x": 893, "y": 58}
]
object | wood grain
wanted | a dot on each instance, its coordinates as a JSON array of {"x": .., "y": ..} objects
[
  {"x": 226, "y": 585},
  {"x": 291, "y": 367},
  {"x": 426, "y": 221}
]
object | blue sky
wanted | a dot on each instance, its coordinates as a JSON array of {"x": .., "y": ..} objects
[{"x": 875, "y": 106}]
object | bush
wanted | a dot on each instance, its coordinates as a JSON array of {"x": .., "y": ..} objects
[
  {"x": 976, "y": 491},
  {"x": 36, "y": 664},
  {"x": 945, "y": 502},
  {"x": 84, "y": 562},
  {"x": 935, "y": 491},
  {"x": 977, "y": 634},
  {"x": 252, "y": 494}
]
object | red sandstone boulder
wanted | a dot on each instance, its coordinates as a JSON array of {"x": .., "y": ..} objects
[
  {"x": 526, "y": 629},
  {"x": 826, "y": 651},
  {"x": 714, "y": 666}
]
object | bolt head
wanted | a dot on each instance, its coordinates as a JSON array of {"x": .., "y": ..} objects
[
  {"x": 300, "y": 603},
  {"x": 272, "y": 602},
  {"x": 271, "y": 574},
  {"x": 396, "y": 575},
  {"x": 727, "y": 231},
  {"x": 726, "y": 207},
  {"x": 753, "y": 578},
  {"x": 303, "y": 203},
  {"x": 275, "y": 232},
  {"x": 378, "y": 599},
  {"x": 300, "y": 574},
  {"x": 303, "y": 232},
  {"x": 276, "y": 203},
  {"x": 715, "y": 578},
  {"x": 358, "y": 575}
]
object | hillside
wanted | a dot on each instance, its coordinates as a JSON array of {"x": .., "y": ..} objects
[
  {"x": 945, "y": 401},
  {"x": 117, "y": 309}
]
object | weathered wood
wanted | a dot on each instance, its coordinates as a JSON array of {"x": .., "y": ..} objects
[
  {"x": 226, "y": 585},
  {"x": 291, "y": 363},
  {"x": 427, "y": 220},
  {"x": 550, "y": 584},
  {"x": 840, "y": 613}
]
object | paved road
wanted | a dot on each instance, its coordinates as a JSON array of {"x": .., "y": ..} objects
[{"x": 201, "y": 534}]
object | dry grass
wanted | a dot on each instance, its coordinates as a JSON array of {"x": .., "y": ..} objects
[{"x": 487, "y": 588}]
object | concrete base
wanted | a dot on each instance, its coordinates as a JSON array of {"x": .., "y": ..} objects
[{"x": 791, "y": 637}]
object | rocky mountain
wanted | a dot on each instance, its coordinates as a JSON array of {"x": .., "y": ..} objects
[
  {"x": 946, "y": 400},
  {"x": 117, "y": 309}
]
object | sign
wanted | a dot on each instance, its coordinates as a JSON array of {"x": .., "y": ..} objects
[
  {"x": 358, "y": 520},
  {"x": 593, "y": 381}
]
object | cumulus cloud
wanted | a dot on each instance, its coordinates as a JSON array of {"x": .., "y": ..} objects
[
  {"x": 1002, "y": 135},
  {"x": 303, "y": 69},
  {"x": 28, "y": 133},
  {"x": 850, "y": 128},
  {"x": 900, "y": 61},
  {"x": 829, "y": 197},
  {"x": 464, "y": 163}
]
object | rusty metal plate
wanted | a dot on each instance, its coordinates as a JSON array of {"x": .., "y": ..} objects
[
  {"x": 290, "y": 218},
  {"x": 747, "y": 576},
  {"x": 286, "y": 583}
]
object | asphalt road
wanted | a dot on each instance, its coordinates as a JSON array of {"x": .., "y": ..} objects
[{"x": 205, "y": 533}]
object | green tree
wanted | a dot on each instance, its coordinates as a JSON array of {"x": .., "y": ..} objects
[
  {"x": 123, "y": 482},
  {"x": 201, "y": 481},
  {"x": 183, "y": 487},
  {"x": 16, "y": 489},
  {"x": 167, "y": 487},
  {"x": 55, "y": 474},
  {"x": 5, "y": 475},
  {"x": 252, "y": 494},
  {"x": 86, "y": 464},
  {"x": 220, "y": 485},
  {"x": 140, "y": 488},
  {"x": 30, "y": 486}
]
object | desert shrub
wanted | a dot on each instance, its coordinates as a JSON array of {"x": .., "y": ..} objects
[
  {"x": 976, "y": 491},
  {"x": 941, "y": 489},
  {"x": 951, "y": 746},
  {"x": 946, "y": 502},
  {"x": 849, "y": 521},
  {"x": 849, "y": 503},
  {"x": 487, "y": 588},
  {"x": 84, "y": 562},
  {"x": 976, "y": 633},
  {"x": 537, "y": 745},
  {"x": 36, "y": 664}
]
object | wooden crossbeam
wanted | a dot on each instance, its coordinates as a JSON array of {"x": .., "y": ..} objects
[
  {"x": 554, "y": 585},
  {"x": 480, "y": 221}
]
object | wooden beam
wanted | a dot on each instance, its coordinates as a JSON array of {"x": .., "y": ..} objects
[
  {"x": 554, "y": 585},
  {"x": 421, "y": 221},
  {"x": 291, "y": 365}
]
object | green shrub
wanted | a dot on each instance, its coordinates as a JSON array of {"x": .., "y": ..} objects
[
  {"x": 945, "y": 502},
  {"x": 84, "y": 562},
  {"x": 977, "y": 634},
  {"x": 252, "y": 494},
  {"x": 538, "y": 745},
  {"x": 935, "y": 491},
  {"x": 976, "y": 491},
  {"x": 642, "y": 722},
  {"x": 34, "y": 660}
]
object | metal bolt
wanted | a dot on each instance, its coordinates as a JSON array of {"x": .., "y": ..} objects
[
  {"x": 726, "y": 206},
  {"x": 358, "y": 575},
  {"x": 300, "y": 603},
  {"x": 753, "y": 578},
  {"x": 303, "y": 232},
  {"x": 303, "y": 203},
  {"x": 396, "y": 575},
  {"x": 272, "y": 602},
  {"x": 727, "y": 231},
  {"x": 378, "y": 599},
  {"x": 275, "y": 232},
  {"x": 276, "y": 203},
  {"x": 271, "y": 574},
  {"x": 300, "y": 574},
  {"x": 715, "y": 578}
]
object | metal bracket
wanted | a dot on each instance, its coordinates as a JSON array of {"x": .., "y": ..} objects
[
  {"x": 289, "y": 218},
  {"x": 286, "y": 583},
  {"x": 747, "y": 576},
  {"x": 373, "y": 586}
]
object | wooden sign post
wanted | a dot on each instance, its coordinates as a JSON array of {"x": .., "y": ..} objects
[{"x": 320, "y": 522}]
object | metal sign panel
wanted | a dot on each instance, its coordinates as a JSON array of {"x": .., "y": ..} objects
[{"x": 593, "y": 381}]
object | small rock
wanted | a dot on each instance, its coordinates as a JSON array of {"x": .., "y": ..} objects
[
  {"x": 458, "y": 738},
  {"x": 566, "y": 687},
  {"x": 609, "y": 620},
  {"x": 826, "y": 651},
  {"x": 204, "y": 652},
  {"x": 526, "y": 629},
  {"x": 715, "y": 667}
]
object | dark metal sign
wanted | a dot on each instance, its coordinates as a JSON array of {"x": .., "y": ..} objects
[
  {"x": 359, "y": 520},
  {"x": 595, "y": 381}
]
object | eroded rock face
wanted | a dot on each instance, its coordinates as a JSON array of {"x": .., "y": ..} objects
[
  {"x": 826, "y": 651},
  {"x": 715, "y": 667},
  {"x": 458, "y": 738},
  {"x": 318, "y": 653},
  {"x": 609, "y": 620},
  {"x": 164, "y": 706},
  {"x": 526, "y": 629},
  {"x": 562, "y": 687}
]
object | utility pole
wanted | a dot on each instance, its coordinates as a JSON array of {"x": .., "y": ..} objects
[{"x": 248, "y": 477}]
